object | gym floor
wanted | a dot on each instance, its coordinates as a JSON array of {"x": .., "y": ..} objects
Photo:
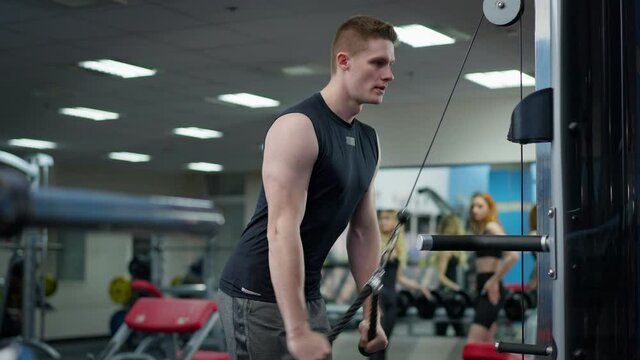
[{"x": 403, "y": 346}]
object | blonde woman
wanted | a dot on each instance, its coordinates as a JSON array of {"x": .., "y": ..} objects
[
  {"x": 448, "y": 263},
  {"x": 394, "y": 274}
]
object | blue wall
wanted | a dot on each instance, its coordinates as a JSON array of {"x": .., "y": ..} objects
[
  {"x": 504, "y": 185},
  {"x": 464, "y": 181}
]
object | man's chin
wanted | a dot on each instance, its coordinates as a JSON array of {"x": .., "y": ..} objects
[{"x": 377, "y": 99}]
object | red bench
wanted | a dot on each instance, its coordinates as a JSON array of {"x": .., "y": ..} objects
[
  {"x": 162, "y": 319},
  {"x": 146, "y": 286},
  {"x": 486, "y": 351}
]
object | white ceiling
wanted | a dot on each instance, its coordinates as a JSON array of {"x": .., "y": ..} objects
[{"x": 203, "y": 48}]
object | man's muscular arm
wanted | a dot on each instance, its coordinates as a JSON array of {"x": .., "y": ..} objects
[{"x": 291, "y": 149}]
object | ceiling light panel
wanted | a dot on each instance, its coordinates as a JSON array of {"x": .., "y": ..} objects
[
  {"x": 501, "y": 79},
  {"x": 129, "y": 156},
  {"x": 198, "y": 133},
  {"x": 420, "y": 36},
  {"x": 249, "y": 100},
  {"x": 33, "y": 144},
  {"x": 304, "y": 70},
  {"x": 204, "y": 166},
  {"x": 116, "y": 68},
  {"x": 88, "y": 113}
]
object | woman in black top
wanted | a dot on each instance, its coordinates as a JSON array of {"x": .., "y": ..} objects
[
  {"x": 491, "y": 266},
  {"x": 394, "y": 273}
]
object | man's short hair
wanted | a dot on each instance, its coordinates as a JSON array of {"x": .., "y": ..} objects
[{"x": 354, "y": 33}]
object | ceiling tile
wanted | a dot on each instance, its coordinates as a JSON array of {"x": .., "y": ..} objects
[
  {"x": 15, "y": 40},
  {"x": 203, "y": 37},
  {"x": 230, "y": 11},
  {"x": 143, "y": 18},
  {"x": 202, "y": 49},
  {"x": 129, "y": 47},
  {"x": 64, "y": 28},
  {"x": 12, "y": 11}
]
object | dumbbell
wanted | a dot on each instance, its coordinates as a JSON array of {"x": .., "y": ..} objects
[
  {"x": 50, "y": 285},
  {"x": 120, "y": 290},
  {"x": 427, "y": 307},
  {"x": 140, "y": 267},
  {"x": 405, "y": 300},
  {"x": 455, "y": 303},
  {"x": 513, "y": 304}
]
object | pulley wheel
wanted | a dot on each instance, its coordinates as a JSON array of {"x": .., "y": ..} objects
[{"x": 502, "y": 12}]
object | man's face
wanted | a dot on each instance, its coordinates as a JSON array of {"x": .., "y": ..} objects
[{"x": 369, "y": 72}]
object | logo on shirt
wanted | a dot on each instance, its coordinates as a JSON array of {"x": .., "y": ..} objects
[
  {"x": 247, "y": 291},
  {"x": 351, "y": 141}
]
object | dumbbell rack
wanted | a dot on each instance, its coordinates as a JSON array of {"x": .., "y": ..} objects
[
  {"x": 440, "y": 315},
  {"x": 412, "y": 320},
  {"x": 157, "y": 254},
  {"x": 23, "y": 207},
  {"x": 33, "y": 240}
]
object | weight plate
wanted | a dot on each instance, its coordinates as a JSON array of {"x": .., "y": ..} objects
[{"x": 120, "y": 290}]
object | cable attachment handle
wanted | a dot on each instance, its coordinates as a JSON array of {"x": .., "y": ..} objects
[
  {"x": 404, "y": 216},
  {"x": 375, "y": 285}
]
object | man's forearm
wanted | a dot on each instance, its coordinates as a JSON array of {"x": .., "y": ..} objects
[
  {"x": 286, "y": 264},
  {"x": 364, "y": 256}
]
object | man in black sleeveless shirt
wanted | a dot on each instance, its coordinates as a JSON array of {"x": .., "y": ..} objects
[{"x": 318, "y": 172}]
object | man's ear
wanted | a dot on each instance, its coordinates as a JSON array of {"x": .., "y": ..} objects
[{"x": 342, "y": 60}]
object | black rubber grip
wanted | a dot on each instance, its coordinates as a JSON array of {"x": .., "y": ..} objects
[
  {"x": 373, "y": 322},
  {"x": 482, "y": 242},
  {"x": 527, "y": 349}
]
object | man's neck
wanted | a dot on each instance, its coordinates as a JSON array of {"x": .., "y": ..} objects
[{"x": 339, "y": 102}]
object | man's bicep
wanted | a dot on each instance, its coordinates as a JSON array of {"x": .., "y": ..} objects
[
  {"x": 290, "y": 152},
  {"x": 365, "y": 214}
]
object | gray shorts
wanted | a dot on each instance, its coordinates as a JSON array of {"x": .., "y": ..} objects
[{"x": 254, "y": 330}]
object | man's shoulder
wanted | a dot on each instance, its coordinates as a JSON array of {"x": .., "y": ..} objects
[
  {"x": 291, "y": 127},
  {"x": 292, "y": 121},
  {"x": 301, "y": 106}
]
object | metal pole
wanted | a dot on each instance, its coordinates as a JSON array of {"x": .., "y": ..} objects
[
  {"x": 30, "y": 239},
  {"x": 110, "y": 211},
  {"x": 156, "y": 257},
  {"x": 43, "y": 163},
  {"x": 556, "y": 222},
  {"x": 18, "y": 163},
  {"x": 207, "y": 268},
  {"x": 56, "y": 207}
]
